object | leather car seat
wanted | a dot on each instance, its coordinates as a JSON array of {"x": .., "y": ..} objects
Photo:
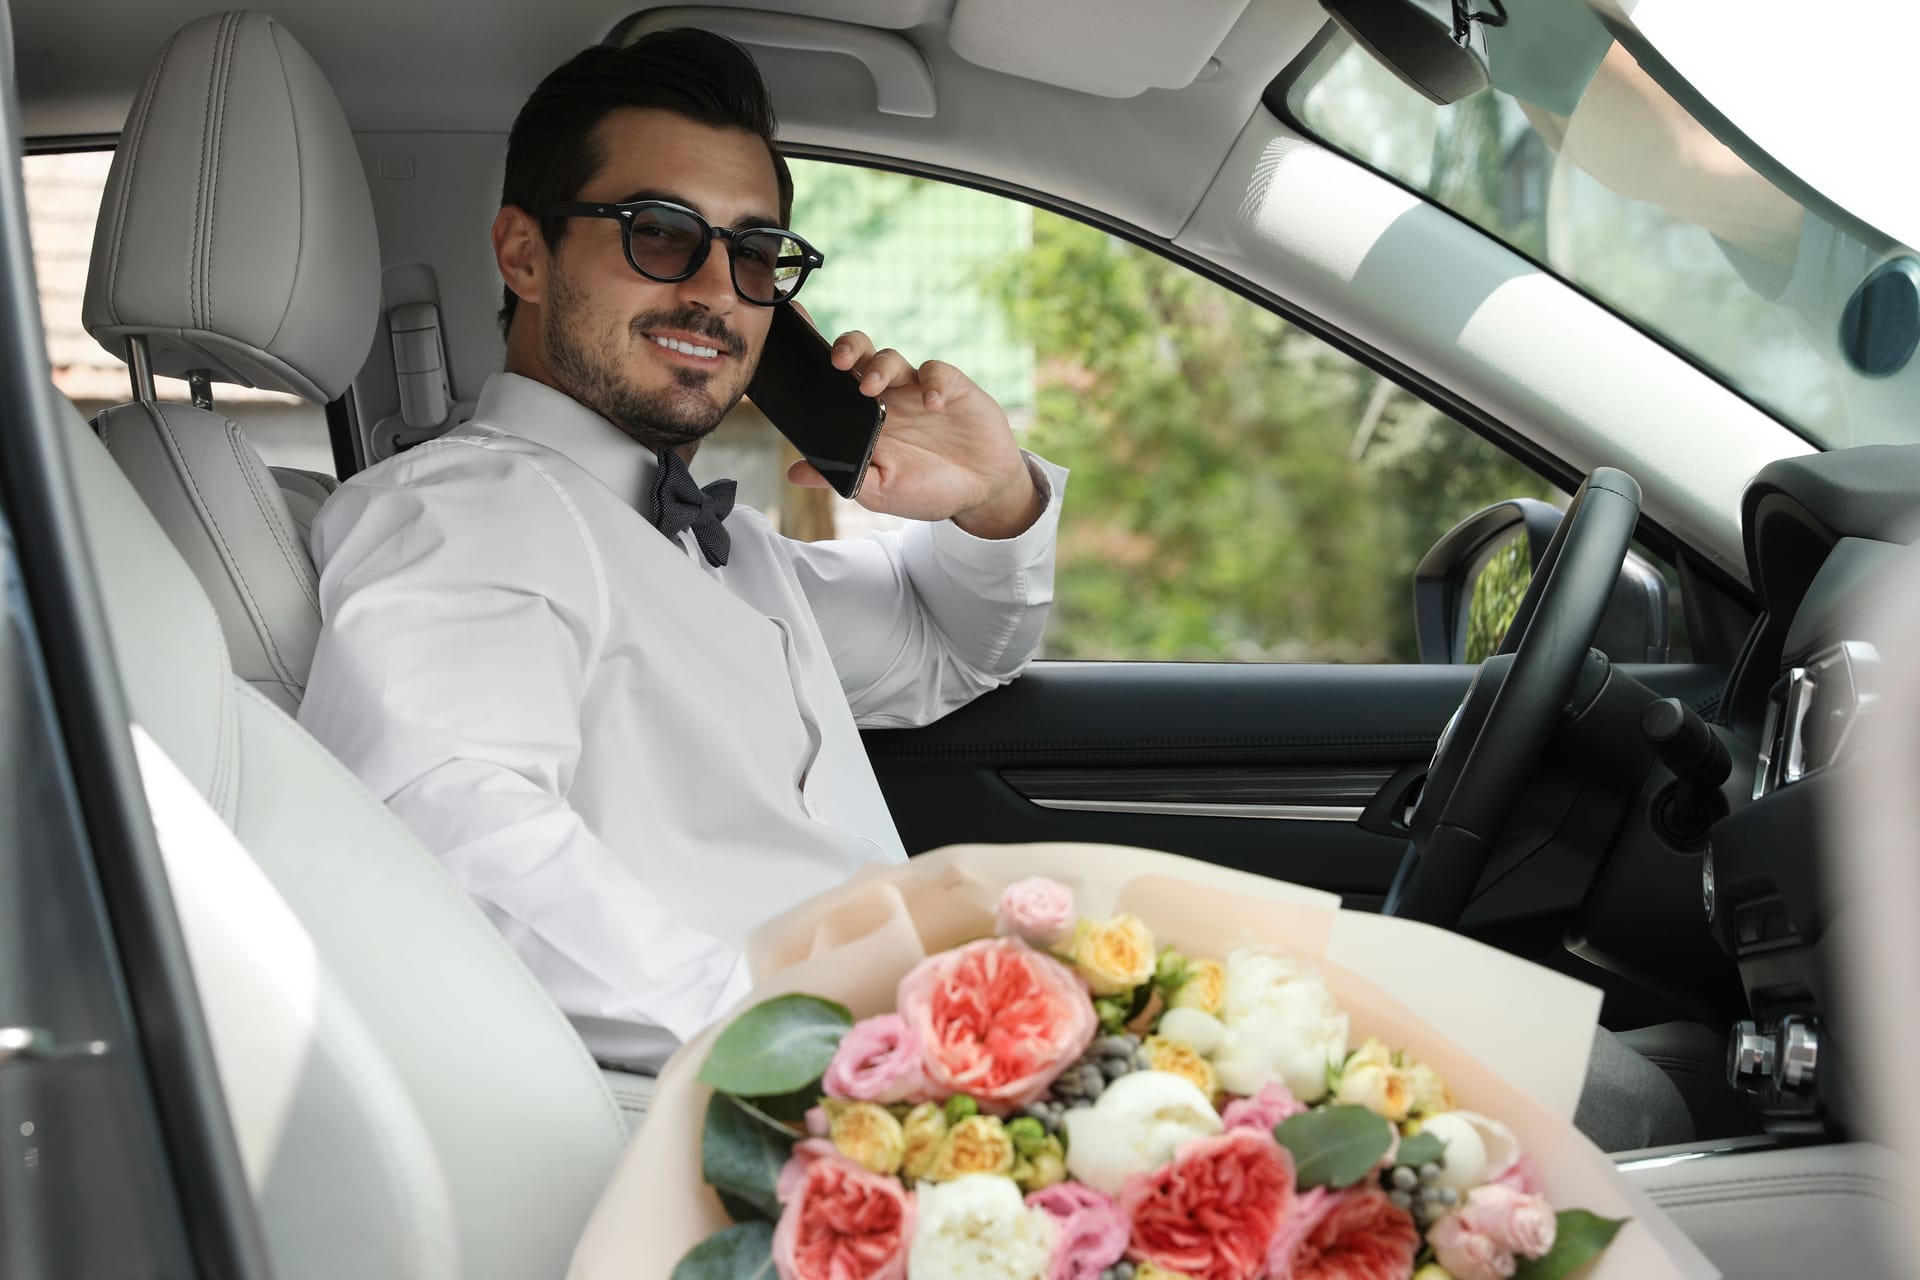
[
  {"x": 235, "y": 242},
  {"x": 408, "y": 1101}
]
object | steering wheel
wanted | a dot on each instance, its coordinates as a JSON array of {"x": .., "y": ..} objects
[{"x": 1480, "y": 770}]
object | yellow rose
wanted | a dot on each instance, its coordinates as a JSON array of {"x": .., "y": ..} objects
[
  {"x": 1114, "y": 956},
  {"x": 925, "y": 1129},
  {"x": 1385, "y": 1091},
  {"x": 1430, "y": 1092},
  {"x": 1154, "y": 1271},
  {"x": 978, "y": 1144},
  {"x": 1205, "y": 988},
  {"x": 1176, "y": 1058},
  {"x": 1432, "y": 1271},
  {"x": 1371, "y": 1054},
  {"x": 867, "y": 1134},
  {"x": 1040, "y": 1168}
]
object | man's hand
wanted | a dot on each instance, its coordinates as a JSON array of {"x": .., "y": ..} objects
[{"x": 946, "y": 451}]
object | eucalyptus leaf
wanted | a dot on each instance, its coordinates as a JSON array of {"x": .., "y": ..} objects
[
  {"x": 743, "y": 1251},
  {"x": 1419, "y": 1149},
  {"x": 1578, "y": 1240},
  {"x": 776, "y": 1047},
  {"x": 741, "y": 1156},
  {"x": 1336, "y": 1146}
]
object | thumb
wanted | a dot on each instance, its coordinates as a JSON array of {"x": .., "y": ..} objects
[{"x": 806, "y": 475}]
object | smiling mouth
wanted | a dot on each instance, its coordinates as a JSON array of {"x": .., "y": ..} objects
[{"x": 684, "y": 348}]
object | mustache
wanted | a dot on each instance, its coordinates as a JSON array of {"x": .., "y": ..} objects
[{"x": 692, "y": 320}]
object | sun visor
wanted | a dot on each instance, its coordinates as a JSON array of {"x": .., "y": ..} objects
[{"x": 1111, "y": 48}]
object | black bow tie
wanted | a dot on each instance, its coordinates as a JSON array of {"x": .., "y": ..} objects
[{"x": 679, "y": 503}]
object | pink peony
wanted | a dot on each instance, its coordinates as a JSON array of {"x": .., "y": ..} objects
[
  {"x": 1093, "y": 1232},
  {"x": 1211, "y": 1211},
  {"x": 794, "y": 1171},
  {"x": 1522, "y": 1177},
  {"x": 1264, "y": 1110},
  {"x": 843, "y": 1223},
  {"x": 1467, "y": 1252},
  {"x": 879, "y": 1060},
  {"x": 1036, "y": 909},
  {"x": 996, "y": 1019},
  {"x": 1343, "y": 1235},
  {"x": 1519, "y": 1223}
]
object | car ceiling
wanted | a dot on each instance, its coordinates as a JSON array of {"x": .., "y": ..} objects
[{"x": 1116, "y": 144}]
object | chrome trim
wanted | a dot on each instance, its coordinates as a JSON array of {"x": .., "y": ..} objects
[
  {"x": 1844, "y": 671},
  {"x": 140, "y": 368},
  {"x": 1663, "y": 1157},
  {"x": 1167, "y": 808},
  {"x": 36, "y": 1044}
]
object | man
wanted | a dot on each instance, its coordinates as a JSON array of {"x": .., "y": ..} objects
[{"x": 632, "y": 742}]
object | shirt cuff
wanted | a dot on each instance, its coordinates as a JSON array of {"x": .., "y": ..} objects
[{"x": 1035, "y": 543}]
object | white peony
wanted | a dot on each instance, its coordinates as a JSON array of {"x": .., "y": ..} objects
[
  {"x": 977, "y": 1227},
  {"x": 1137, "y": 1124},
  {"x": 1281, "y": 1024},
  {"x": 1478, "y": 1149},
  {"x": 1194, "y": 1028}
]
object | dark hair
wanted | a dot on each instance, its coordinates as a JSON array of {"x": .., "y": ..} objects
[{"x": 554, "y": 150}]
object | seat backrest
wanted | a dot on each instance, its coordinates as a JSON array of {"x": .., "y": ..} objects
[
  {"x": 237, "y": 150},
  {"x": 425, "y": 1031}
]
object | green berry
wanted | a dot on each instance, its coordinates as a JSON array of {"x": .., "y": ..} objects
[{"x": 961, "y": 1107}]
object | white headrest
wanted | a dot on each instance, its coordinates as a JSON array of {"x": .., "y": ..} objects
[{"x": 236, "y": 232}]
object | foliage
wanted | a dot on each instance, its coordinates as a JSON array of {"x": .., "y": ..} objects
[
  {"x": 1497, "y": 591},
  {"x": 776, "y": 1047},
  {"x": 1334, "y": 1147}
]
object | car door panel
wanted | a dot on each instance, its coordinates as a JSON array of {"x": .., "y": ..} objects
[{"x": 1270, "y": 768}]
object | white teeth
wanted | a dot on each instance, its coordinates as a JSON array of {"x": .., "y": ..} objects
[{"x": 687, "y": 348}]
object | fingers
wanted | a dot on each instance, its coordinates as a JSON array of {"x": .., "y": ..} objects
[
  {"x": 806, "y": 475},
  {"x": 941, "y": 382},
  {"x": 851, "y": 349},
  {"x": 887, "y": 369}
]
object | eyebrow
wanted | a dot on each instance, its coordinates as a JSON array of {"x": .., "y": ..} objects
[{"x": 674, "y": 197}]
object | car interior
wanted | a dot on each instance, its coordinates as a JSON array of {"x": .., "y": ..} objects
[{"x": 297, "y": 202}]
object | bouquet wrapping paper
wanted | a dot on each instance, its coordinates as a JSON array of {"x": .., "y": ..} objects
[{"x": 1515, "y": 1045}]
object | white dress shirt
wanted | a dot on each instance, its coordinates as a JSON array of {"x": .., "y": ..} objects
[{"x": 631, "y": 758}]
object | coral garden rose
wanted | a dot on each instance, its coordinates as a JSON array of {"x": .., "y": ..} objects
[
  {"x": 843, "y": 1222},
  {"x": 1137, "y": 1124},
  {"x": 1343, "y": 1235},
  {"x": 1204, "y": 988},
  {"x": 978, "y": 1228},
  {"x": 1264, "y": 1110},
  {"x": 1036, "y": 909},
  {"x": 1114, "y": 956},
  {"x": 1093, "y": 1231},
  {"x": 1212, "y": 1212},
  {"x": 878, "y": 1060},
  {"x": 1281, "y": 1024},
  {"x": 996, "y": 1020}
]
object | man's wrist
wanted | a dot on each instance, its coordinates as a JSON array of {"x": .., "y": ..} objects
[{"x": 1011, "y": 511}]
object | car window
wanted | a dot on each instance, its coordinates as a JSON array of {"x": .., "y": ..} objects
[
  {"x": 63, "y": 199},
  {"x": 84, "y": 1189},
  {"x": 1240, "y": 490}
]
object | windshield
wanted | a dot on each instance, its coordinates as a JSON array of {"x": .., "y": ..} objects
[{"x": 1578, "y": 160}]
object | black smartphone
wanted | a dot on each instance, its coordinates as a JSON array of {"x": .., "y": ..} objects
[{"x": 817, "y": 407}]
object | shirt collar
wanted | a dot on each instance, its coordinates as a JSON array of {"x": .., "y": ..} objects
[{"x": 537, "y": 412}]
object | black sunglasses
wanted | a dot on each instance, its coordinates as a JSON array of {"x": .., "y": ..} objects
[{"x": 669, "y": 242}]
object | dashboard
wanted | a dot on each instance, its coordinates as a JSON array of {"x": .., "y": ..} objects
[{"x": 1823, "y": 534}]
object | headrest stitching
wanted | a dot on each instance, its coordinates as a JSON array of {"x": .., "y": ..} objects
[
  {"x": 200, "y": 187},
  {"x": 138, "y": 134},
  {"x": 299, "y": 179}
]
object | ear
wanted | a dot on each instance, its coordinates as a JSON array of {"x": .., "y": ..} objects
[{"x": 520, "y": 251}]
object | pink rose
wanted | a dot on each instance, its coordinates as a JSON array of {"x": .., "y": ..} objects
[
  {"x": 1343, "y": 1235},
  {"x": 1467, "y": 1252},
  {"x": 1264, "y": 1110},
  {"x": 817, "y": 1123},
  {"x": 1036, "y": 909},
  {"x": 1519, "y": 1223},
  {"x": 794, "y": 1171},
  {"x": 1522, "y": 1177},
  {"x": 843, "y": 1223},
  {"x": 1093, "y": 1231},
  {"x": 1211, "y": 1211},
  {"x": 996, "y": 1019},
  {"x": 879, "y": 1060}
]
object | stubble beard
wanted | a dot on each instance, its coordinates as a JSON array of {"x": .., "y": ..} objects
[{"x": 677, "y": 416}]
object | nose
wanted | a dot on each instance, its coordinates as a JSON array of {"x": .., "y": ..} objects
[{"x": 711, "y": 287}]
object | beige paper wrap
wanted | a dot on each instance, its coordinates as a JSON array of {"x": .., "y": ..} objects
[{"x": 1516, "y": 1047}]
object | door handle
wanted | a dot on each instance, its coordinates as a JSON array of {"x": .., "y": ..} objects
[{"x": 36, "y": 1044}]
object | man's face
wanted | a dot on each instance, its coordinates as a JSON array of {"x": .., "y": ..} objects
[{"x": 605, "y": 328}]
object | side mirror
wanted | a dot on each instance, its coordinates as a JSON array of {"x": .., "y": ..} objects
[{"x": 1468, "y": 587}]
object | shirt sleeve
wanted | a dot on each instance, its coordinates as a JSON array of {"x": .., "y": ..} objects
[
  {"x": 452, "y": 662},
  {"x": 926, "y": 619}
]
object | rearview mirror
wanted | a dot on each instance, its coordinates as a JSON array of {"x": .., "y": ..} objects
[
  {"x": 1436, "y": 46},
  {"x": 1468, "y": 587}
]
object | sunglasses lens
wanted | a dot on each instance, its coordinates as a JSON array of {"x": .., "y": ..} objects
[
  {"x": 767, "y": 267},
  {"x": 664, "y": 242}
]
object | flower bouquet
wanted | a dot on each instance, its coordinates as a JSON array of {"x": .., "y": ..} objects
[{"x": 1093, "y": 1063}]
